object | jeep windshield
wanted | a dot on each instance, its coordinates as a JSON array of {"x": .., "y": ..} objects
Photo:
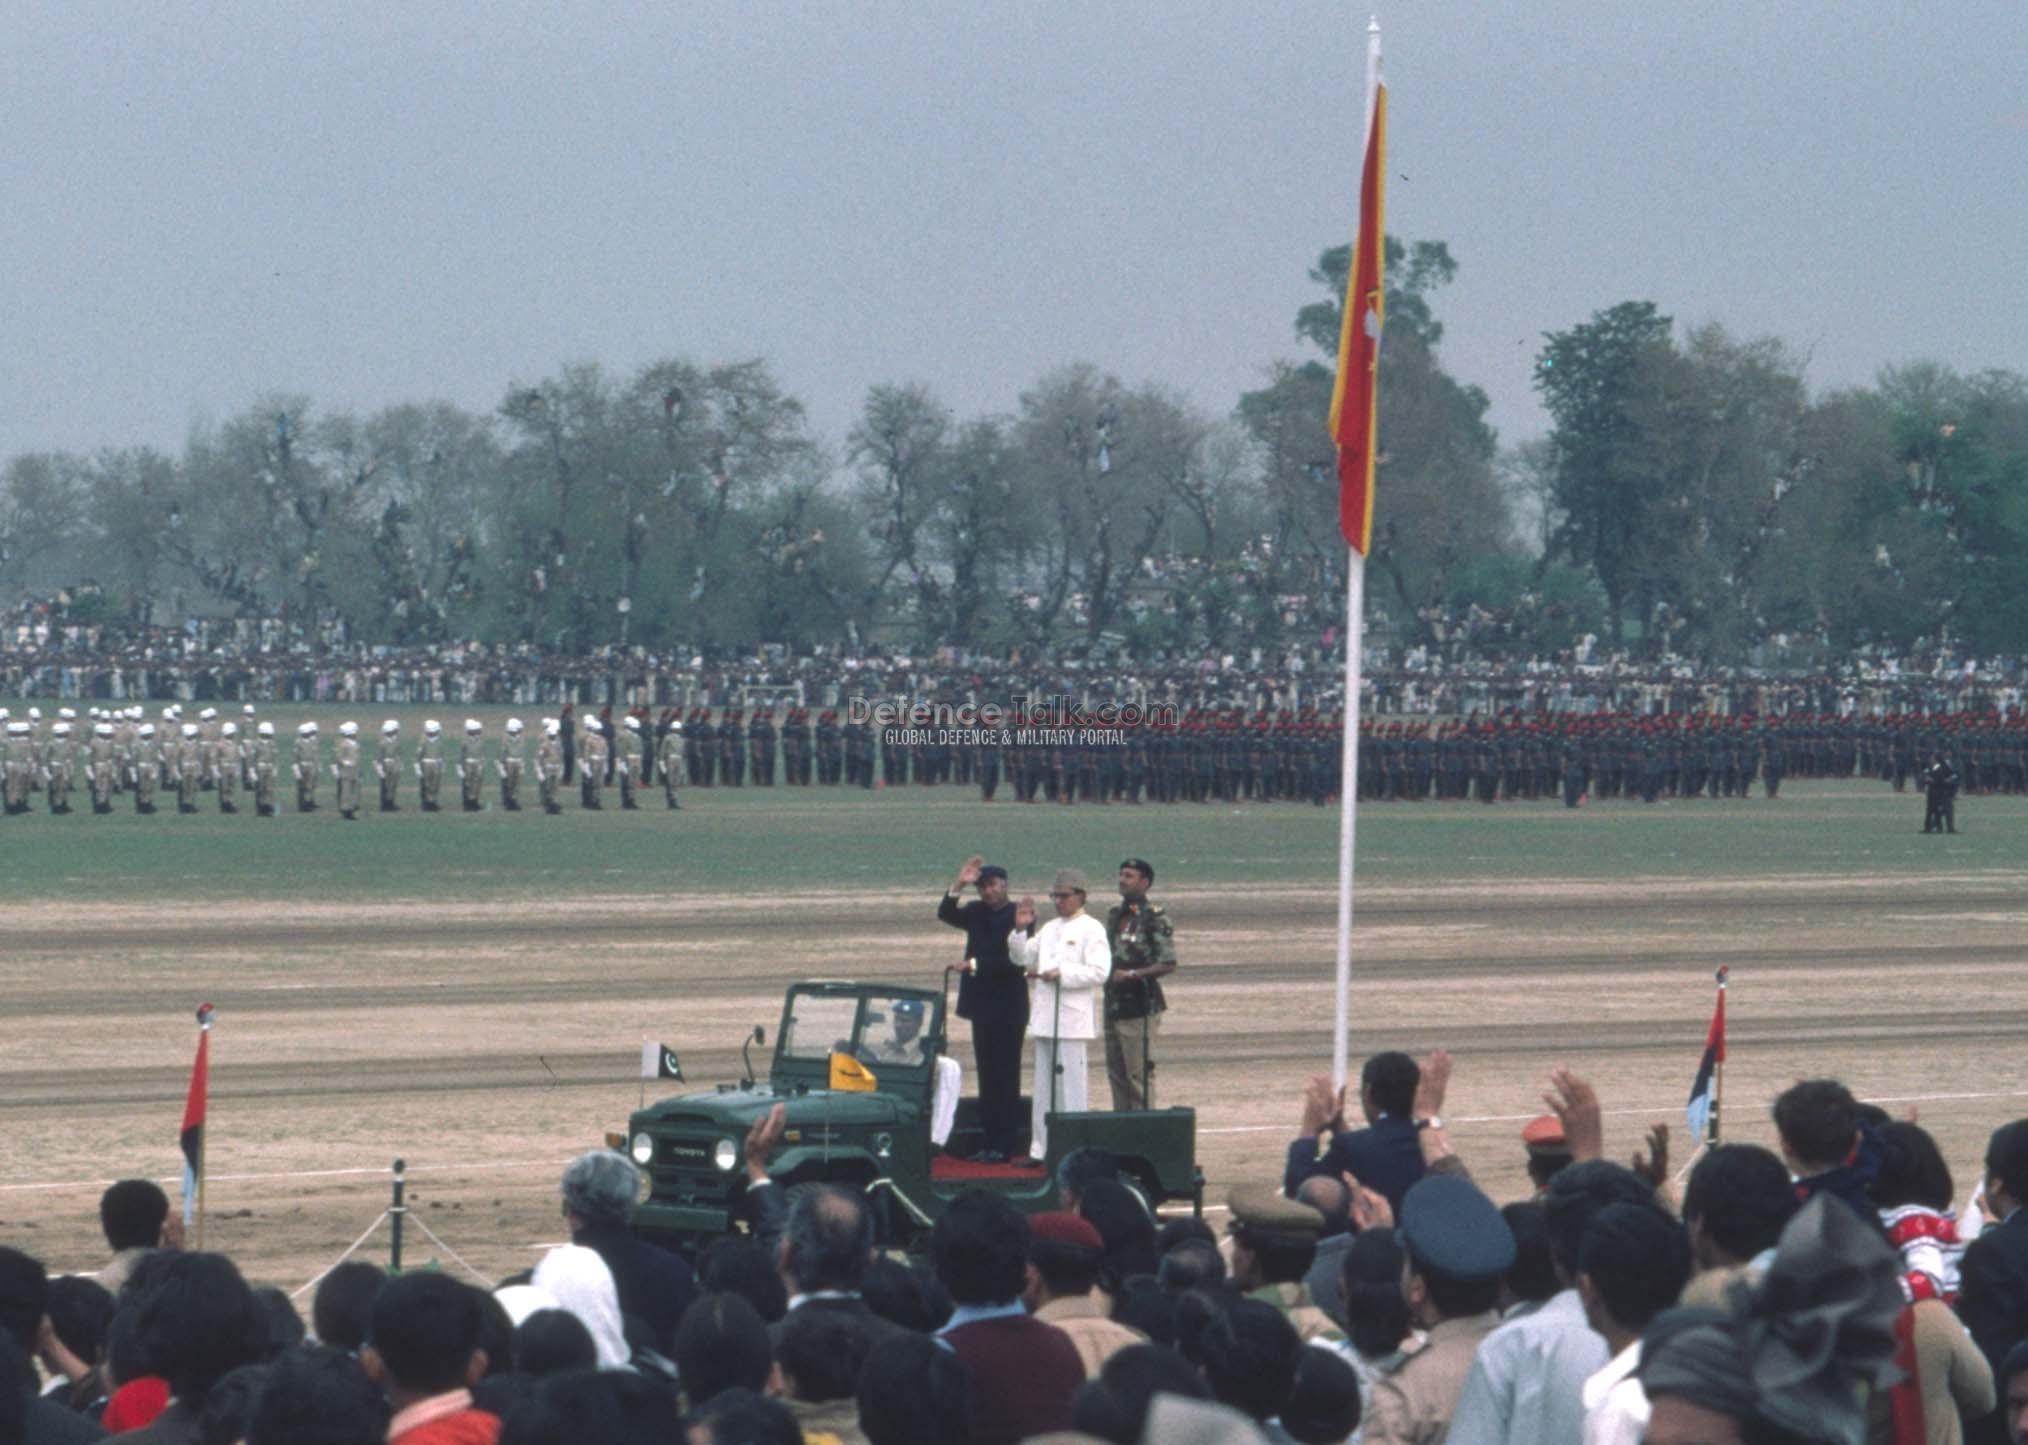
[{"x": 875, "y": 1028}]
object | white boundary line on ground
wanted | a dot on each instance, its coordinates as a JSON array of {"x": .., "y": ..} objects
[{"x": 497, "y": 1165}]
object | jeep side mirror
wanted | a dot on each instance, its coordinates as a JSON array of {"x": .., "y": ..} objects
[{"x": 759, "y": 1036}]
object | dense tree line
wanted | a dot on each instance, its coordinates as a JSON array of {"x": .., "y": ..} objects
[{"x": 1692, "y": 497}]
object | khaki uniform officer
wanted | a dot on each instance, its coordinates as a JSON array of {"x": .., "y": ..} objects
[
  {"x": 549, "y": 765},
  {"x": 628, "y": 746},
  {"x": 387, "y": 765},
  {"x": 671, "y": 763},
  {"x": 472, "y": 766},
  {"x": 1458, "y": 1249},
  {"x": 345, "y": 768},
  {"x": 189, "y": 767},
  {"x": 1274, "y": 1243},
  {"x": 265, "y": 768},
  {"x": 307, "y": 763},
  {"x": 104, "y": 766},
  {"x": 429, "y": 766},
  {"x": 510, "y": 766},
  {"x": 1144, "y": 952},
  {"x": 227, "y": 774},
  {"x": 147, "y": 764},
  {"x": 591, "y": 763}
]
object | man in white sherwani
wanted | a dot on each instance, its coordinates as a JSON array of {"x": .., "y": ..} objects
[{"x": 1069, "y": 961}]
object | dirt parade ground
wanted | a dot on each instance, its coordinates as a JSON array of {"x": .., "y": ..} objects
[{"x": 488, "y": 1043}]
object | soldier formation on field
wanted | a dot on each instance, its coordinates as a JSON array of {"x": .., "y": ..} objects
[
  {"x": 1201, "y": 756},
  {"x": 119, "y": 752}
]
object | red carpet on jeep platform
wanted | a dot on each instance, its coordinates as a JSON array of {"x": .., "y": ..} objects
[{"x": 944, "y": 1168}]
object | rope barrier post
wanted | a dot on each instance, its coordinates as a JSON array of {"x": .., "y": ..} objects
[{"x": 395, "y": 1214}]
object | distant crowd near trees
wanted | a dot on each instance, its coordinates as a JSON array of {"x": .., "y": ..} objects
[{"x": 1693, "y": 499}]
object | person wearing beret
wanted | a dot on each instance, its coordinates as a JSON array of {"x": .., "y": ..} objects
[
  {"x": 993, "y": 996},
  {"x": 1065, "y": 1256},
  {"x": 1144, "y": 952},
  {"x": 1458, "y": 1248}
]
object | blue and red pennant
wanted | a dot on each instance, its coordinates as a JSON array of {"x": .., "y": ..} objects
[
  {"x": 1699, "y": 1110},
  {"x": 193, "y": 1115}
]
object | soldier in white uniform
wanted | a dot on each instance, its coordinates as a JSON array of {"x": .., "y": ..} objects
[{"x": 510, "y": 766}]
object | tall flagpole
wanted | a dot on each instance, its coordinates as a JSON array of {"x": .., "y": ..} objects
[{"x": 1348, "y": 784}]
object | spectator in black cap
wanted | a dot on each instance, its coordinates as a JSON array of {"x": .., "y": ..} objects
[
  {"x": 993, "y": 997},
  {"x": 1144, "y": 953},
  {"x": 1458, "y": 1249}
]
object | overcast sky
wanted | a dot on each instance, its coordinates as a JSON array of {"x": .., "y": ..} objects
[{"x": 382, "y": 202}]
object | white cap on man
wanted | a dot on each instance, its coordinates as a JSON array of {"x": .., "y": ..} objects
[
  {"x": 230, "y": 730},
  {"x": 348, "y": 729},
  {"x": 432, "y": 726},
  {"x": 102, "y": 729},
  {"x": 265, "y": 729},
  {"x": 190, "y": 730},
  {"x": 513, "y": 724},
  {"x": 472, "y": 725},
  {"x": 146, "y": 730}
]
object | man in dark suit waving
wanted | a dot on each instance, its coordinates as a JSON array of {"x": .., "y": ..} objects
[
  {"x": 993, "y": 995},
  {"x": 1386, "y": 1155}
]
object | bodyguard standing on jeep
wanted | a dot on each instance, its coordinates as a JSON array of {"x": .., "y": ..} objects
[
  {"x": 993, "y": 995},
  {"x": 1144, "y": 951}
]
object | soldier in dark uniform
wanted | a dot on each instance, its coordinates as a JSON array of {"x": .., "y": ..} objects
[
  {"x": 566, "y": 728},
  {"x": 760, "y": 743},
  {"x": 830, "y": 749},
  {"x": 702, "y": 738},
  {"x": 1940, "y": 791},
  {"x": 732, "y": 748}
]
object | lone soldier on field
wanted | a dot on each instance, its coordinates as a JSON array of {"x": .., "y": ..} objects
[
  {"x": 307, "y": 766},
  {"x": 629, "y": 752},
  {"x": 226, "y": 774},
  {"x": 1940, "y": 793},
  {"x": 672, "y": 762},
  {"x": 264, "y": 768},
  {"x": 472, "y": 766},
  {"x": 1144, "y": 952},
  {"x": 387, "y": 765},
  {"x": 510, "y": 766},
  {"x": 189, "y": 768},
  {"x": 549, "y": 765},
  {"x": 345, "y": 768},
  {"x": 429, "y": 766},
  {"x": 146, "y": 775},
  {"x": 592, "y": 754}
]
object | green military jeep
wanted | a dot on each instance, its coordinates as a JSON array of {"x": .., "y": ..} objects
[{"x": 875, "y": 1137}]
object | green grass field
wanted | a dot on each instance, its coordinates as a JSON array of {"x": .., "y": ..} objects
[{"x": 760, "y": 840}]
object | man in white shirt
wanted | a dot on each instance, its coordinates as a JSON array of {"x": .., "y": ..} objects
[
  {"x": 1069, "y": 961},
  {"x": 1633, "y": 1264}
]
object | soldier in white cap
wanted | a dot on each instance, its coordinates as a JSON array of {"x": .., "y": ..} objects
[
  {"x": 189, "y": 767},
  {"x": 35, "y": 742},
  {"x": 472, "y": 766},
  {"x": 345, "y": 768},
  {"x": 670, "y": 764},
  {"x": 628, "y": 746},
  {"x": 387, "y": 765},
  {"x": 147, "y": 768},
  {"x": 592, "y": 753},
  {"x": 57, "y": 761},
  {"x": 265, "y": 768},
  {"x": 308, "y": 764},
  {"x": 226, "y": 769},
  {"x": 510, "y": 766},
  {"x": 429, "y": 765},
  {"x": 104, "y": 766},
  {"x": 207, "y": 744},
  {"x": 549, "y": 765}
]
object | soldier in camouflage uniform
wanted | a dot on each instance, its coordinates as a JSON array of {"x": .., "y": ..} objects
[
  {"x": 472, "y": 766},
  {"x": 429, "y": 766},
  {"x": 1144, "y": 951},
  {"x": 510, "y": 765},
  {"x": 387, "y": 765}
]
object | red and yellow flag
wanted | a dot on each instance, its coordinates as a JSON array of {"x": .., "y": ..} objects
[{"x": 1354, "y": 397}]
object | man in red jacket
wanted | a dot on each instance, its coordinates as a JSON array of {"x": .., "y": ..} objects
[
  {"x": 423, "y": 1349},
  {"x": 1022, "y": 1372}
]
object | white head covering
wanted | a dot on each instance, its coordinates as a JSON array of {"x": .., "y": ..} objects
[
  {"x": 513, "y": 724},
  {"x": 390, "y": 726},
  {"x": 347, "y": 729},
  {"x": 522, "y": 1300},
  {"x": 265, "y": 728},
  {"x": 431, "y": 725},
  {"x": 248, "y": 710},
  {"x": 190, "y": 730},
  {"x": 208, "y": 714},
  {"x": 581, "y": 1283},
  {"x": 230, "y": 730},
  {"x": 472, "y": 725},
  {"x": 146, "y": 730}
]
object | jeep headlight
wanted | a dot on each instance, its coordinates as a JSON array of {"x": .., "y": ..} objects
[
  {"x": 643, "y": 1149},
  {"x": 725, "y": 1155}
]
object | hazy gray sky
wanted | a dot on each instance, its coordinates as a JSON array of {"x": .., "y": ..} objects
[{"x": 379, "y": 202}]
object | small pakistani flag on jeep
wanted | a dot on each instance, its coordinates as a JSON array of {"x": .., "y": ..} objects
[{"x": 658, "y": 1061}]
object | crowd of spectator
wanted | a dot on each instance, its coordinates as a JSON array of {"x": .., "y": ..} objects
[{"x": 1831, "y": 1292}]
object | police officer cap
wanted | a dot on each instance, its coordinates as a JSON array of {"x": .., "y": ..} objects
[
  {"x": 992, "y": 870},
  {"x": 1454, "y": 1232},
  {"x": 1262, "y": 1209},
  {"x": 1141, "y": 866},
  {"x": 910, "y": 1006}
]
